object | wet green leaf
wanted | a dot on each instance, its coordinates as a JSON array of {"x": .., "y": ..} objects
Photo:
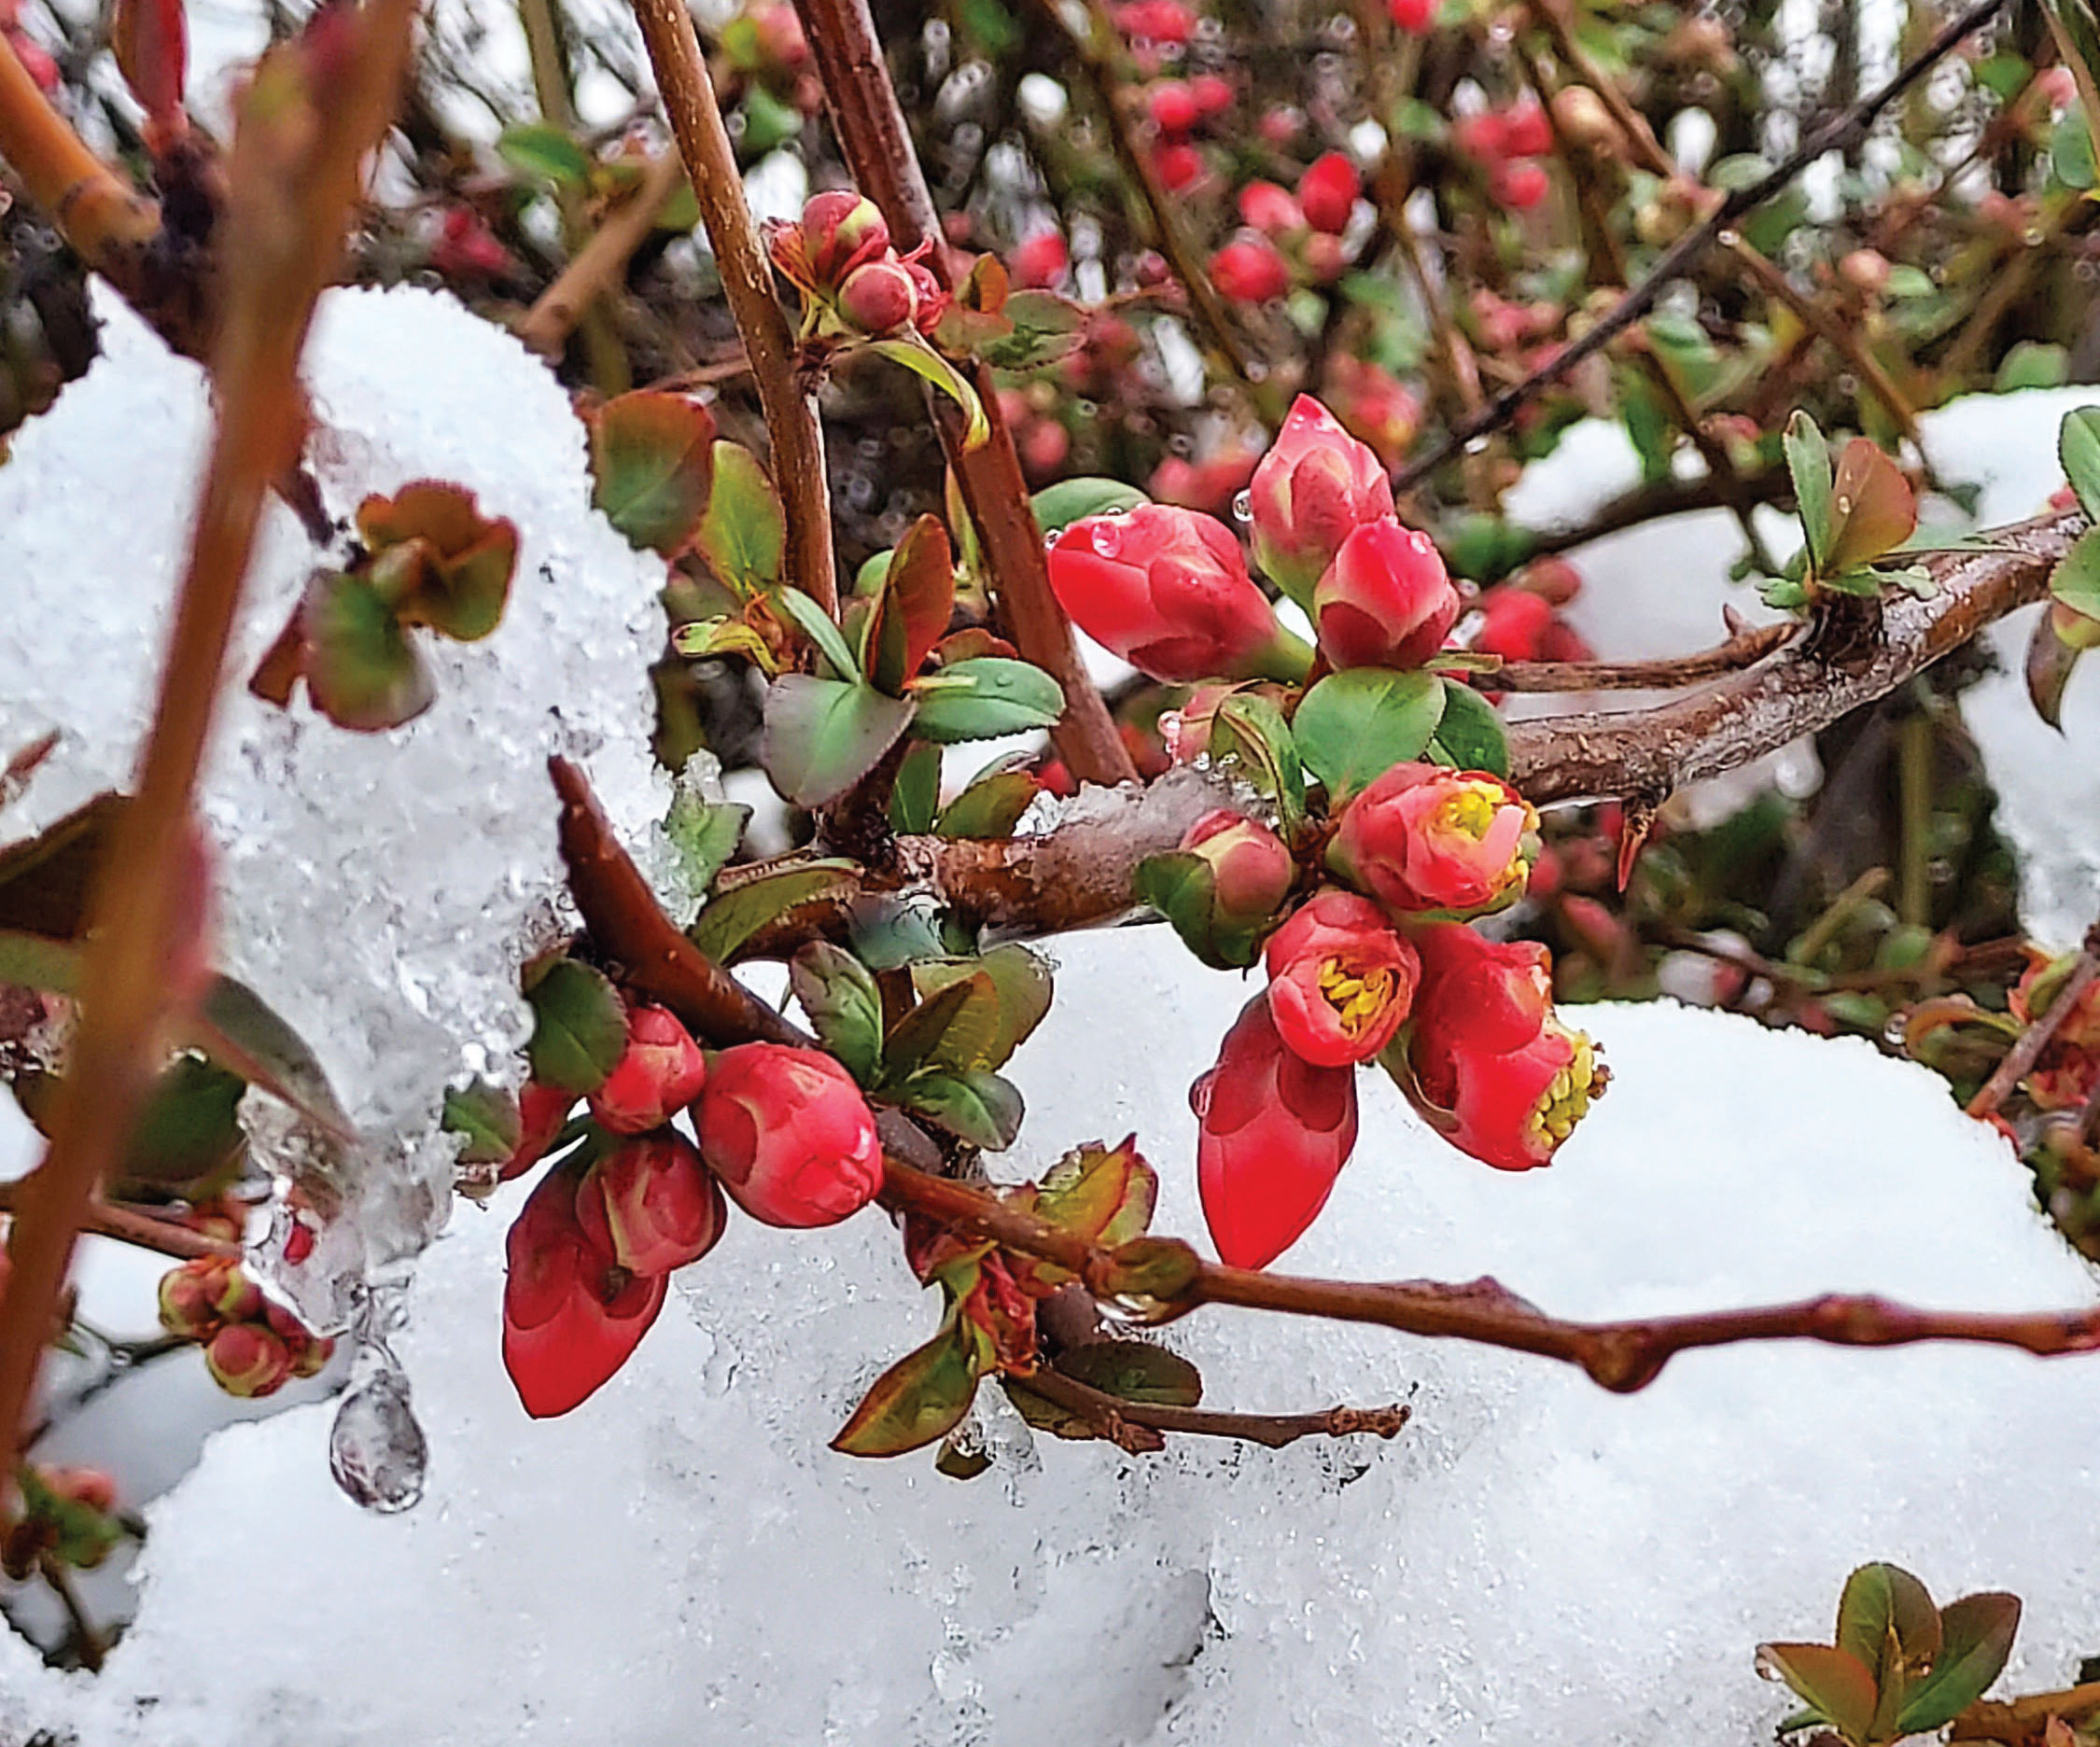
[
  {"x": 743, "y": 532},
  {"x": 579, "y": 1026},
  {"x": 652, "y": 464},
  {"x": 845, "y": 1007},
  {"x": 823, "y": 735},
  {"x": 730, "y": 919},
  {"x": 1354, "y": 727},
  {"x": 920, "y": 1399}
]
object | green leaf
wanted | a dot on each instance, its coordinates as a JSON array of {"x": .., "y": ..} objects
[
  {"x": 362, "y": 670},
  {"x": 1469, "y": 734},
  {"x": 845, "y": 1007},
  {"x": 1106, "y": 1196},
  {"x": 237, "y": 1029},
  {"x": 487, "y": 1117},
  {"x": 1046, "y": 327},
  {"x": 1976, "y": 1636},
  {"x": 743, "y": 534},
  {"x": 888, "y": 933},
  {"x": 913, "y": 605},
  {"x": 983, "y": 697},
  {"x": 768, "y": 123},
  {"x": 1834, "y": 1681},
  {"x": 2031, "y": 364},
  {"x": 1250, "y": 727},
  {"x": 1058, "y": 507},
  {"x": 704, "y": 835},
  {"x": 823, "y": 735},
  {"x": 188, "y": 1138},
  {"x": 2076, "y": 580},
  {"x": 1886, "y": 1619},
  {"x": 579, "y": 1027},
  {"x": 1354, "y": 727},
  {"x": 732, "y": 917},
  {"x": 957, "y": 1026},
  {"x": 546, "y": 153},
  {"x": 2078, "y": 445},
  {"x": 706, "y": 638},
  {"x": 914, "y": 800},
  {"x": 916, "y": 356},
  {"x": 820, "y": 627},
  {"x": 973, "y": 1104},
  {"x": 652, "y": 464},
  {"x": 1872, "y": 508},
  {"x": 1023, "y": 981},
  {"x": 34, "y": 961},
  {"x": 1136, "y": 1371},
  {"x": 2070, "y": 151},
  {"x": 1808, "y": 460},
  {"x": 990, "y": 806},
  {"x": 917, "y": 1401}
]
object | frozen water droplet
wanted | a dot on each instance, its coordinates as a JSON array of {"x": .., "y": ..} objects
[
  {"x": 377, "y": 1452},
  {"x": 1107, "y": 536},
  {"x": 1243, "y": 506},
  {"x": 1844, "y": 504}
]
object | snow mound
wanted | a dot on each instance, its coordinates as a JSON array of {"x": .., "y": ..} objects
[{"x": 1534, "y": 1560}]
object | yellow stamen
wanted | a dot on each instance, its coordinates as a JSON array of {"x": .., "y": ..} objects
[
  {"x": 1357, "y": 998},
  {"x": 1471, "y": 810},
  {"x": 1567, "y": 1100}
]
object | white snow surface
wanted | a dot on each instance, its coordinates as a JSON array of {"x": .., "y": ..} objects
[{"x": 1532, "y": 1560}]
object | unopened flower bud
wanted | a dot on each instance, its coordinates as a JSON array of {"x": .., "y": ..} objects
[
  {"x": 650, "y": 1204},
  {"x": 1386, "y": 600},
  {"x": 246, "y": 1359},
  {"x": 659, "y": 1074},
  {"x": 1252, "y": 871},
  {"x": 790, "y": 1134},
  {"x": 841, "y": 231},
  {"x": 878, "y": 299}
]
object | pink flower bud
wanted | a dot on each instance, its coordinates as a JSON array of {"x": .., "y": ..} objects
[
  {"x": 650, "y": 1205},
  {"x": 1416, "y": 17},
  {"x": 246, "y": 1359},
  {"x": 841, "y": 231},
  {"x": 1518, "y": 185},
  {"x": 1385, "y": 601},
  {"x": 1166, "y": 589},
  {"x": 1213, "y": 95},
  {"x": 542, "y": 1111},
  {"x": 790, "y": 1134},
  {"x": 240, "y": 1299},
  {"x": 660, "y": 1072},
  {"x": 1327, "y": 192},
  {"x": 1173, "y": 106},
  {"x": 878, "y": 299},
  {"x": 1177, "y": 164},
  {"x": 571, "y": 1313},
  {"x": 1484, "y": 138},
  {"x": 1316, "y": 485},
  {"x": 1038, "y": 262},
  {"x": 1525, "y": 131},
  {"x": 1273, "y": 1133},
  {"x": 1166, "y": 23},
  {"x": 1270, "y": 209},
  {"x": 189, "y": 1298},
  {"x": 1420, "y": 838},
  {"x": 1250, "y": 272},
  {"x": 1342, "y": 982},
  {"x": 1252, "y": 871}
]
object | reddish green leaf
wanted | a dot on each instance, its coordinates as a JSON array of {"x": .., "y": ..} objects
[
  {"x": 579, "y": 1026},
  {"x": 845, "y": 1007},
  {"x": 1872, "y": 509},
  {"x": 969, "y": 1103},
  {"x": 1106, "y": 1196},
  {"x": 1022, "y": 981},
  {"x": 1834, "y": 1683},
  {"x": 991, "y": 806},
  {"x": 1136, "y": 1370},
  {"x": 151, "y": 40},
  {"x": 912, "y": 605},
  {"x": 956, "y": 1026},
  {"x": 730, "y": 918},
  {"x": 921, "y": 1398},
  {"x": 1976, "y": 1636},
  {"x": 2053, "y": 658},
  {"x": 361, "y": 668},
  {"x": 1044, "y": 327},
  {"x": 486, "y": 1116},
  {"x": 652, "y": 464},
  {"x": 823, "y": 735},
  {"x": 743, "y": 534}
]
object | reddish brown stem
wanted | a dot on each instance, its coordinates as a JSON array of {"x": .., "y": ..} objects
[
  {"x": 106, "y": 222},
  {"x": 142, "y": 1230},
  {"x": 598, "y": 265},
  {"x": 877, "y": 144},
  {"x": 746, "y": 281},
  {"x": 1112, "y": 1416},
  {"x": 294, "y": 180},
  {"x": 1663, "y": 675}
]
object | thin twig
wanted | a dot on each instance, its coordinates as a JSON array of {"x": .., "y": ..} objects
[
  {"x": 1662, "y": 675},
  {"x": 1111, "y": 1414},
  {"x": 2019, "y": 1720},
  {"x": 747, "y": 280},
  {"x": 598, "y": 265},
  {"x": 142, "y": 1230},
  {"x": 85, "y": 1634},
  {"x": 294, "y": 177},
  {"x": 1834, "y": 134},
  {"x": 872, "y": 133}
]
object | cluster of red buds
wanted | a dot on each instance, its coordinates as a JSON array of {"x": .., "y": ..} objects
[
  {"x": 68, "y": 1516},
  {"x": 1178, "y": 109},
  {"x": 1506, "y": 144},
  {"x": 854, "y": 284},
  {"x": 1305, "y": 226},
  {"x": 252, "y": 1345},
  {"x": 783, "y": 1130}
]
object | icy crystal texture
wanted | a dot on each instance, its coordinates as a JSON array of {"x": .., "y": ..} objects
[
  {"x": 1533, "y": 1561},
  {"x": 377, "y": 889}
]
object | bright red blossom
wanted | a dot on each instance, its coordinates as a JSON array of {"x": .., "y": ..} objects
[
  {"x": 1421, "y": 838},
  {"x": 1342, "y": 982},
  {"x": 1327, "y": 192},
  {"x": 1270, "y": 209},
  {"x": 1416, "y": 17},
  {"x": 790, "y": 1134},
  {"x": 1385, "y": 601},
  {"x": 1039, "y": 261},
  {"x": 1173, "y": 106},
  {"x": 1316, "y": 485},
  {"x": 1273, "y": 1133},
  {"x": 650, "y": 1205},
  {"x": 660, "y": 1072},
  {"x": 1250, "y": 272},
  {"x": 1166, "y": 589}
]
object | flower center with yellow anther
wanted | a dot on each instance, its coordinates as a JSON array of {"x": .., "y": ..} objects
[
  {"x": 1567, "y": 1099},
  {"x": 1471, "y": 810},
  {"x": 1358, "y": 997}
]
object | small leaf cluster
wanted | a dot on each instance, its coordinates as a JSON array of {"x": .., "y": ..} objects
[{"x": 1854, "y": 514}]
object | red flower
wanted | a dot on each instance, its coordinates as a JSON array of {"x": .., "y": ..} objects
[
  {"x": 1274, "y": 1132},
  {"x": 660, "y": 1071},
  {"x": 1270, "y": 209},
  {"x": 790, "y": 1134},
  {"x": 1494, "y": 1069},
  {"x": 1525, "y": 131},
  {"x": 1421, "y": 838},
  {"x": 1250, "y": 272},
  {"x": 1385, "y": 601},
  {"x": 1039, "y": 263},
  {"x": 1316, "y": 485},
  {"x": 1519, "y": 185},
  {"x": 571, "y": 1313},
  {"x": 1214, "y": 94},
  {"x": 1155, "y": 21},
  {"x": 1166, "y": 590},
  {"x": 542, "y": 1110},
  {"x": 650, "y": 1205},
  {"x": 1416, "y": 17},
  {"x": 1340, "y": 981},
  {"x": 1173, "y": 106},
  {"x": 1252, "y": 871},
  {"x": 1177, "y": 164},
  {"x": 1327, "y": 192}
]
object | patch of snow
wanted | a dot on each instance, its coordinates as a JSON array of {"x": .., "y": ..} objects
[{"x": 1532, "y": 1560}]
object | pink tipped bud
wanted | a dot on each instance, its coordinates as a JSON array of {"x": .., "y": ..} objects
[
  {"x": 1316, "y": 485},
  {"x": 1250, "y": 272},
  {"x": 1385, "y": 601},
  {"x": 240, "y": 1299},
  {"x": 1327, "y": 192},
  {"x": 650, "y": 1205},
  {"x": 1173, "y": 106},
  {"x": 189, "y": 1298},
  {"x": 1252, "y": 871},
  {"x": 790, "y": 1134},
  {"x": 841, "y": 231},
  {"x": 246, "y": 1359},
  {"x": 879, "y": 298},
  {"x": 1038, "y": 262},
  {"x": 1270, "y": 209},
  {"x": 660, "y": 1073}
]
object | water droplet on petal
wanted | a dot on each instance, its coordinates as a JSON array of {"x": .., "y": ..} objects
[
  {"x": 1243, "y": 506},
  {"x": 1107, "y": 536}
]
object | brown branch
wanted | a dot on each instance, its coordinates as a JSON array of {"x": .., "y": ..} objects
[
  {"x": 746, "y": 281},
  {"x": 294, "y": 179},
  {"x": 877, "y": 145},
  {"x": 1621, "y": 1356},
  {"x": 2019, "y": 1061},
  {"x": 1113, "y": 1415},
  {"x": 1663, "y": 675},
  {"x": 1799, "y": 689},
  {"x": 1835, "y": 134},
  {"x": 108, "y": 224},
  {"x": 599, "y": 264},
  {"x": 1651, "y": 502},
  {"x": 2022, "y": 1720}
]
